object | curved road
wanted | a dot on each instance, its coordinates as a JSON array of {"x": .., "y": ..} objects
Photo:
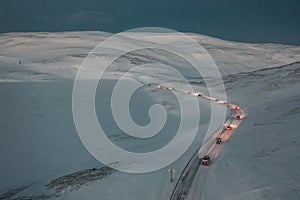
[{"x": 191, "y": 181}]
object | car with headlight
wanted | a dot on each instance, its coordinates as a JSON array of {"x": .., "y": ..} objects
[{"x": 218, "y": 140}]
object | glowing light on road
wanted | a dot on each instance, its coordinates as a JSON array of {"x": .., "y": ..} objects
[{"x": 228, "y": 128}]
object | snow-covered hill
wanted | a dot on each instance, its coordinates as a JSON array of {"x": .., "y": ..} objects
[
  {"x": 261, "y": 160},
  {"x": 42, "y": 156},
  {"x": 47, "y": 56}
]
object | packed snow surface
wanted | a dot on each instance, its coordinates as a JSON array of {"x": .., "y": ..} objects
[{"x": 42, "y": 157}]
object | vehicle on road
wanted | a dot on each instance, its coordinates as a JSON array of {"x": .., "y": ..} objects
[
  {"x": 238, "y": 117},
  {"x": 228, "y": 128},
  {"x": 218, "y": 140},
  {"x": 236, "y": 108},
  {"x": 205, "y": 160}
]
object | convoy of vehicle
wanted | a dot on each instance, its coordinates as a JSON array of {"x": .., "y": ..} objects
[{"x": 206, "y": 160}]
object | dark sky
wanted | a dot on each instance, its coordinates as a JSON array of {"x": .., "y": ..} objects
[{"x": 250, "y": 21}]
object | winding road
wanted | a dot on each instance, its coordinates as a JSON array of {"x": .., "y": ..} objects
[{"x": 190, "y": 183}]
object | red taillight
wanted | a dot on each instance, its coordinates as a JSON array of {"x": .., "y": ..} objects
[{"x": 204, "y": 163}]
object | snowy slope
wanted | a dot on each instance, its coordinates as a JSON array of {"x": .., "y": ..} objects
[
  {"x": 261, "y": 161},
  {"x": 60, "y": 54},
  {"x": 42, "y": 156}
]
